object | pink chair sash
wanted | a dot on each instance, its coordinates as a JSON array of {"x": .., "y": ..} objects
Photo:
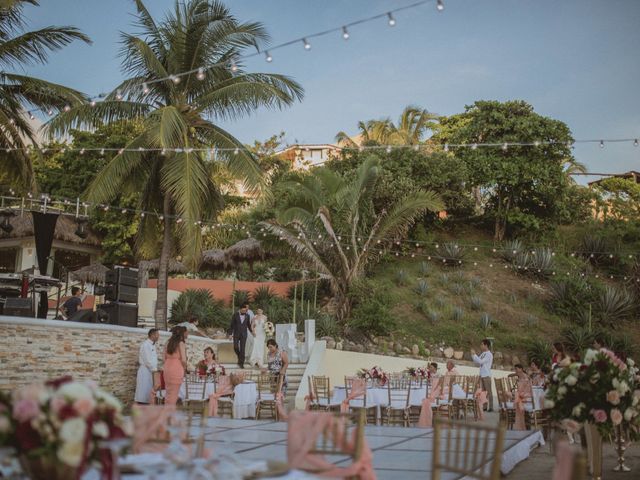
[
  {"x": 308, "y": 399},
  {"x": 520, "y": 399},
  {"x": 563, "y": 469},
  {"x": 223, "y": 388},
  {"x": 282, "y": 413},
  {"x": 426, "y": 414},
  {"x": 149, "y": 423},
  {"x": 358, "y": 389},
  {"x": 481, "y": 400},
  {"x": 303, "y": 431}
]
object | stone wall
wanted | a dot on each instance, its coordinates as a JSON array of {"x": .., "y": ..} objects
[{"x": 35, "y": 350}]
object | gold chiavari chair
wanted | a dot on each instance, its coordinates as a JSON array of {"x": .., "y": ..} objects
[
  {"x": 225, "y": 403},
  {"x": 471, "y": 385},
  {"x": 335, "y": 437},
  {"x": 414, "y": 409},
  {"x": 535, "y": 418},
  {"x": 397, "y": 410},
  {"x": 195, "y": 391},
  {"x": 322, "y": 391},
  {"x": 467, "y": 449},
  {"x": 447, "y": 406},
  {"x": 511, "y": 383},
  {"x": 505, "y": 404},
  {"x": 267, "y": 386},
  {"x": 360, "y": 403}
]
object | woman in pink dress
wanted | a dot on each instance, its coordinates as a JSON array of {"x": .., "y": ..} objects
[{"x": 175, "y": 364}]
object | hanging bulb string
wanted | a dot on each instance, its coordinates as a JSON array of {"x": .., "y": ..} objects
[
  {"x": 403, "y": 246},
  {"x": 200, "y": 71},
  {"x": 362, "y": 148}
]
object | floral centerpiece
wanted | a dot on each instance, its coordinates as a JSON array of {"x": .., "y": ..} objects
[
  {"x": 269, "y": 329},
  {"x": 374, "y": 373},
  {"x": 418, "y": 372},
  {"x": 204, "y": 370},
  {"x": 602, "y": 390},
  {"x": 57, "y": 427}
]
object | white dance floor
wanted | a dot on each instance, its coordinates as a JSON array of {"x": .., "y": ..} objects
[{"x": 398, "y": 453}]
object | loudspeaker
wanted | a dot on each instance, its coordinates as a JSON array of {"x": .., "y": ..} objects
[
  {"x": 122, "y": 276},
  {"x": 121, "y": 293},
  {"x": 122, "y": 314},
  {"x": 18, "y": 307},
  {"x": 85, "y": 316}
]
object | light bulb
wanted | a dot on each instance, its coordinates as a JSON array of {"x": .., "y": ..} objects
[
  {"x": 601, "y": 144},
  {"x": 392, "y": 21},
  {"x": 388, "y": 149},
  {"x": 345, "y": 33},
  {"x": 439, "y": 5},
  {"x": 200, "y": 75},
  {"x": 50, "y": 112},
  {"x": 106, "y": 208},
  {"x": 536, "y": 143},
  {"x": 446, "y": 147},
  {"x": 145, "y": 88},
  {"x": 416, "y": 147},
  {"x": 163, "y": 151},
  {"x": 102, "y": 151},
  {"x": 635, "y": 142},
  {"x": 474, "y": 146},
  {"x": 307, "y": 45},
  {"x": 236, "y": 151},
  {"x": 505, "y": 146},
  {"x": 268, "y": 57},
  {"x": 121, "y": 151},
  {"x": 234, "y": 67},
  {"x": 119, "y": 95},
  {"x": 161, "y": 217},
  {"x": 175, "y": 79},
  {"x": 92, "y": 103},
  {"x": 31, "y": 117},
  {"x": 82, "y": 151}
]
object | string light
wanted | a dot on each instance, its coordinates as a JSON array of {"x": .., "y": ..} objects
[
  {"x": 119, "y": 95},
  {"x": 234, "y": 67},
  {"x": 200, "y": 75},
  {"x": 635, "y": 142},
  {"x": 601, "y": 144},
  {"x": 440, "y": 5},
  {"x": 392, "y": 21},
  {"x": 268, "y": 57},
  {"x": 145, "y": 88},
  {"x": 345, "y": 33},
  {"x": 307, "y": 45},
  {"x": 175, "y": 79}
]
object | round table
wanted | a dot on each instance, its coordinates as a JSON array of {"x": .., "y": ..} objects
[
  {"x": 379, "y": 396},
  {"x": 244, "y": 401}
]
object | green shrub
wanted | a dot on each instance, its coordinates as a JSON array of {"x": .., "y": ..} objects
[
  {"x": 532, "y": 321},
  {"x": 577, "y": 339},
  {"x": 541, "y": 262},
  {"x": 570, "y": 296},
  {"x": 475, "y": 282},
  {"x": 594, "y": 249},
  {"x": 613, "y": 305},
  {"x": 451, "y": 254},
  {"x": 422, "y": 307},
  {"x": 199, "y": 303},
  {"x": 444, "y": 279},
  {"x": 457, "y": 314},
  {"x": 433, "y": 316},
  {"x": 241, "y": 297},
  {"x": 457, "y": 289},
  {"x": 262, "y": 296},
  {"x": 326, "y": 326},
  {"x": 371, "y": 311},
  {"x": 424, "y": 268},
  {"x": 485, "y": 321},
  {"x": 279, "y": 310},
  {"x": 402, "y": 278},
  {"x": 510, "y": 250},
  {"x": 539, "y": 350},
  {"x": 439, "y": 303},
  {"x": 475, "y": 303},
  {"x": 422, "y": 288}
]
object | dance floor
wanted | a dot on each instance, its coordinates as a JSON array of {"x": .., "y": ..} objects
[{"x": 398, "y": 453}]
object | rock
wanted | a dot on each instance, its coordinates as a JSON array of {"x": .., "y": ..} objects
[
  {"x": 331, "y": 343},
  {"x": 397, "y": 347},
  {"x": 458, "y": 354},
  {"x": 497, "y": 356},
  {"x": 415, "y": 350},
  {"x": 371, "y": 349},
  {"x": 359, "y": 348},
  {"x": 339, "y": 346},
  {"x": 427, "y": 352},
  {"x": 406, "y": 350},
  {"x": 515, "y": 360},
  {"x": 375, "y": 340},
  {"x": 448, "y": 352},
  {"x": 390, "y": 345}
]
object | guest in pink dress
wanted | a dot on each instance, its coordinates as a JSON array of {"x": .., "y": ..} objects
[{"x": 175, "y": 364}]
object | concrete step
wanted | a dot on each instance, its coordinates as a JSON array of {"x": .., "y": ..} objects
[{"x": 295, "y": 371}]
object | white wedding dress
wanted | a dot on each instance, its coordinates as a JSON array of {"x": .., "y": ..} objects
[{"x": 258, "y": 349}]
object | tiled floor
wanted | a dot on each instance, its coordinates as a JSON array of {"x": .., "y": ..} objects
[{"x": 398, "y": 453}]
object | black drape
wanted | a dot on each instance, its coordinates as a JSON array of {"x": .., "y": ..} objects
[{"x": 44, "y": 225}]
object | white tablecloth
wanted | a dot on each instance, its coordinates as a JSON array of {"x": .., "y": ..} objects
[
  {"x": 244, "y": 402},
  {"x": 538, "y": 398},
  {"x": 379, "y": 396}
]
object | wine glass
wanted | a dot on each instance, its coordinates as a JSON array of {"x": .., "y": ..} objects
[
  {"x": 176, "y": 452},
  {"x": 115, "y": 448},
  {"x": 8, "y": 463}
]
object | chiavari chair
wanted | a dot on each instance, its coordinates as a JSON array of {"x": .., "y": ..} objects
[
  {"x": 360, "y": 402},
  {"x": 267, "y": 386},
  {"x": 322, "y": 391},
  {"x": 397, "y": 410},
  {"x": 505, "y": 404},
  {"x": 471, "y": 450},
  {"x": 471, "y": 385},
  {"x": 195, "y": 393}
]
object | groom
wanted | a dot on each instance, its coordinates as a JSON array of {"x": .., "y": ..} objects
[{"x": 240, "y": 323}]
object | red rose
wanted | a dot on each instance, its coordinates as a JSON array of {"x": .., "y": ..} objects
[
  {"x": 57, "y": 382},
  {"x": 66, "y": 412},
  {"x": 27, "y": 437}
]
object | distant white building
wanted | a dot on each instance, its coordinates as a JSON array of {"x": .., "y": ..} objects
[{"x": 305, "y": 156}]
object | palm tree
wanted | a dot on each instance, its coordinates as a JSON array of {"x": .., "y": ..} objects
[
  {"x": 178, "y": 117},
  {"x": 20, "y": 48},
  {"x": 571, "y": 167},
  {"x": 413, "y": 124},
  {"x": 331, "y": 222}
]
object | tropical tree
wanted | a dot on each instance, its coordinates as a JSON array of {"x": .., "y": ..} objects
[
  {"x": 331, "y": 222},
  {"x": 572, "y": 167},
  {"x": 20, "y": 48},
  {"x": 184, "y": 73},
  {"x": 413, "y": 124}
]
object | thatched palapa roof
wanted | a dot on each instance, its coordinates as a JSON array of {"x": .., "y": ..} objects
[
  {"x": 247, "y": 250},
  {"x": 94, "y": 273},
  {"x": 152, "y": 265},
  {"x": 66, "y": 227},
  {"x": 215, "y": 259}
]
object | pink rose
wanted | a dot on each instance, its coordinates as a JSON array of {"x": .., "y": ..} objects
[
  {"x": 57, "y": 403},
  {"x": 84, "y": 406},
  {"x": 25, "y": 410},
  {"x": 616, "y": 416},
  {"x": 570, "y": 426},
  {"x": 613, "y": 397},
  {"x": 599, "y": 415}
]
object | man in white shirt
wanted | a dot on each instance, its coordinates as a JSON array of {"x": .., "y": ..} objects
[
  {"x": 485, "y": 360},
  {"x": 148, "y": 364}
]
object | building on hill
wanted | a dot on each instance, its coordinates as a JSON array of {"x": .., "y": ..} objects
[
  {"x": 304, "y": 156},
  {"x": 631, "y": 174},
  {"x": 69, "y": 250},
  {"x": 602, "y": 209}
]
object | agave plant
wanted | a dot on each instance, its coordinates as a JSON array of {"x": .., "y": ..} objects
[
  {"x": 457, "y": 314},
  {"x": 433, "y": 316},
  {"x": 451, "y": 254},
  {"x": 485, "y": 321},
  {"x": 540, "y": 351},
  {"x": 424, "y": 269},
  {"x": 263, "y": 295},
  {"x": 201, "y": 304},
  {"x": 422, "y": 288},
  {"x": 594, "y": 249},
  {"x": 240, "y": 297},
  {"x": 402, "y": 278},
  {"x": 614, "y": 304},
  {"x": 510, "y": 249},
  {"x": 475, "y": 303},
  {"x": 541, "y": 261},
  {"x": 457, "y": 289},
  {"x": 532, "y": 321},
  {"x": 326, "y": 326},
  {"x": 577, "y": 340},
  {"x": 440, "y": 302}
]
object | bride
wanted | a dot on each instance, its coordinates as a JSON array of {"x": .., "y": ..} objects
[{"x": 257, "y": 329}]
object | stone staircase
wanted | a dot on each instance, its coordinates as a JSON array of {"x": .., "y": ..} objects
[{"x": 294, "y": 376}]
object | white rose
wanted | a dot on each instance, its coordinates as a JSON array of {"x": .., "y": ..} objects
[
  {"x": 571, "y": 380},
  {"x": 562, "y": 390},
  {"x": 629, "y": 413},
  {"x": 630, "y": 362},
  {"x": 73, "y": 430},
  {"x": 622, "y": 387},
  {"x": 635, "y": 400},
  {"x": 548, "y": 403},
  {"x": 71, "y": 453},
  {"x": 590, "y": 356},
  {"x": 108, "y": 399},
  {"x": 5, "y": 424},
  {"x": 577, "y": 410},
  {"x": 100, "y": 429},
  {"x": 75, "y": 390}
]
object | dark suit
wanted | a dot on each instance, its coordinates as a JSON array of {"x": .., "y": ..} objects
[{"x": 238, "y": 329}]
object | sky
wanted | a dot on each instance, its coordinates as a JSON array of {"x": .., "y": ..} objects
[{"x": 573, "y": 60}]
